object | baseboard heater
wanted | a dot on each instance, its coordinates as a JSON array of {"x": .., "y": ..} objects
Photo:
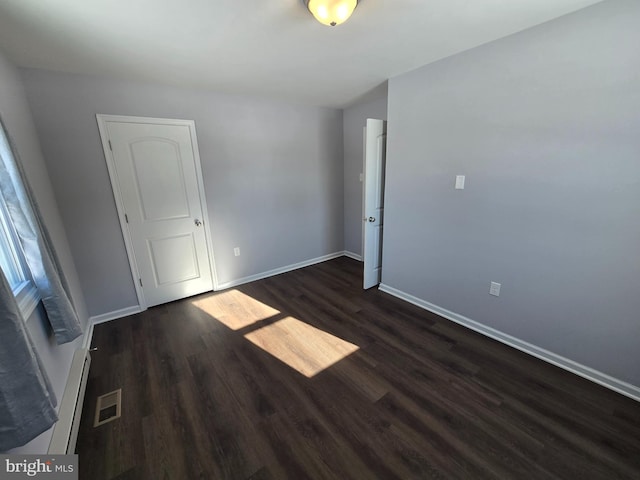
[{"x": 65, "y": 431}]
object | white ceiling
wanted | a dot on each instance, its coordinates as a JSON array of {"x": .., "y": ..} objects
[{"x": 272, "y": 48}]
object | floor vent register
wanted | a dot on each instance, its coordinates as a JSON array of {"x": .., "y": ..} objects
[{"x": 108, "y": 407}]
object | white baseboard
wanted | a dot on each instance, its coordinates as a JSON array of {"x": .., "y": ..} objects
[
  {"x": 106, "y": 317},
  {"x": 278, "y": 271},
  {"x": 355, "y": 256},
  {"x": 123, "y": 312},
  {"x": 589, "y": 373}
]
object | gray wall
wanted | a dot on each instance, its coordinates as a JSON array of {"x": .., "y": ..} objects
[
  {"x": 272, "y": 171},
  {"x": 17, "y": 117},
  {"x": 545, "y": 124},
  {"x": 355, "y": 118}
]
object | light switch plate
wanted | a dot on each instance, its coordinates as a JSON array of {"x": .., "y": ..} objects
[
  {"x": 460, "y": 182},
  {"x": 495, "y": 289}
]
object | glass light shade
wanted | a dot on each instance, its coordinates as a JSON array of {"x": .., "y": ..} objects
[{"x": 332, "y": 12}]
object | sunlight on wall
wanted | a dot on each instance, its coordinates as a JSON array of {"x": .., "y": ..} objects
[
  {"x": 235, "y": 309},
  {"x": 301, "y": 346}
]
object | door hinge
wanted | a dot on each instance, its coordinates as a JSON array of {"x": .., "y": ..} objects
[
  {"x": 110, "y": 147},
  {"x": 140, "y": 280},
  {"x": 126, "y": 219}
]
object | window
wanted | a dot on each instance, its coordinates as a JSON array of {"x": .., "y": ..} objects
[
  {"x": 10, "y": 256},
  {"x": 12, "y": 259}
]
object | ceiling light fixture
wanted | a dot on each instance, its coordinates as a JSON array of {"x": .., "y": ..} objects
[{"x": 331, "y": 12}]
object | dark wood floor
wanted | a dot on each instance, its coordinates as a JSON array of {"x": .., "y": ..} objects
[{"x": 415, "y": 396}]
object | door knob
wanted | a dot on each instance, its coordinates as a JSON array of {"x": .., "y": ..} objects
[
  {"x": 372, "y": 219},
  {"x": 197, "y": 222}
]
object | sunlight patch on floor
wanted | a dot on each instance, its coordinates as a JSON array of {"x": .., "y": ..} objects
[
  {"x": 301, "y": 346},
  {"x": 235, "y": 309}
]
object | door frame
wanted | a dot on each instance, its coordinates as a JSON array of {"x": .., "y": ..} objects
[
  {"x": 362, "y": 179},
  {"x": 102, "y": 120}
]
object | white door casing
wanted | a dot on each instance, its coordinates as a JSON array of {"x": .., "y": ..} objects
[
  {"x": 155, "y": 173},
  {"x": 373, "y": 205}
]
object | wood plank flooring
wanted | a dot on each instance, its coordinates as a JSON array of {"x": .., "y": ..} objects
[{"x": 306, "y": 376}]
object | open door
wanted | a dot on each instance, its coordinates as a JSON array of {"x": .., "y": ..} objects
[{"x": 374, "y": 167}]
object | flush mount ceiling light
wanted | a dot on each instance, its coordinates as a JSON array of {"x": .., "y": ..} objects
[{"x": 331, "y": 12}]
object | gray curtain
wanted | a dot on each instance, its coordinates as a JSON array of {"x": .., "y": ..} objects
[
  {"x": 27, "y": 401},
  {"x": 42, "y": 261}
]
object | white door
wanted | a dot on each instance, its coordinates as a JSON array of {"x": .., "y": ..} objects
[
  {"x": 155, "y": 174},
  {"x": 374, "y": 166}
]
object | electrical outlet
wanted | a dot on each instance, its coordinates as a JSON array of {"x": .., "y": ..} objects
[
  {"x": 236, "y": 251},
  {"x": 460, "y": 182},
  {"x": 495, "y": 289}
]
